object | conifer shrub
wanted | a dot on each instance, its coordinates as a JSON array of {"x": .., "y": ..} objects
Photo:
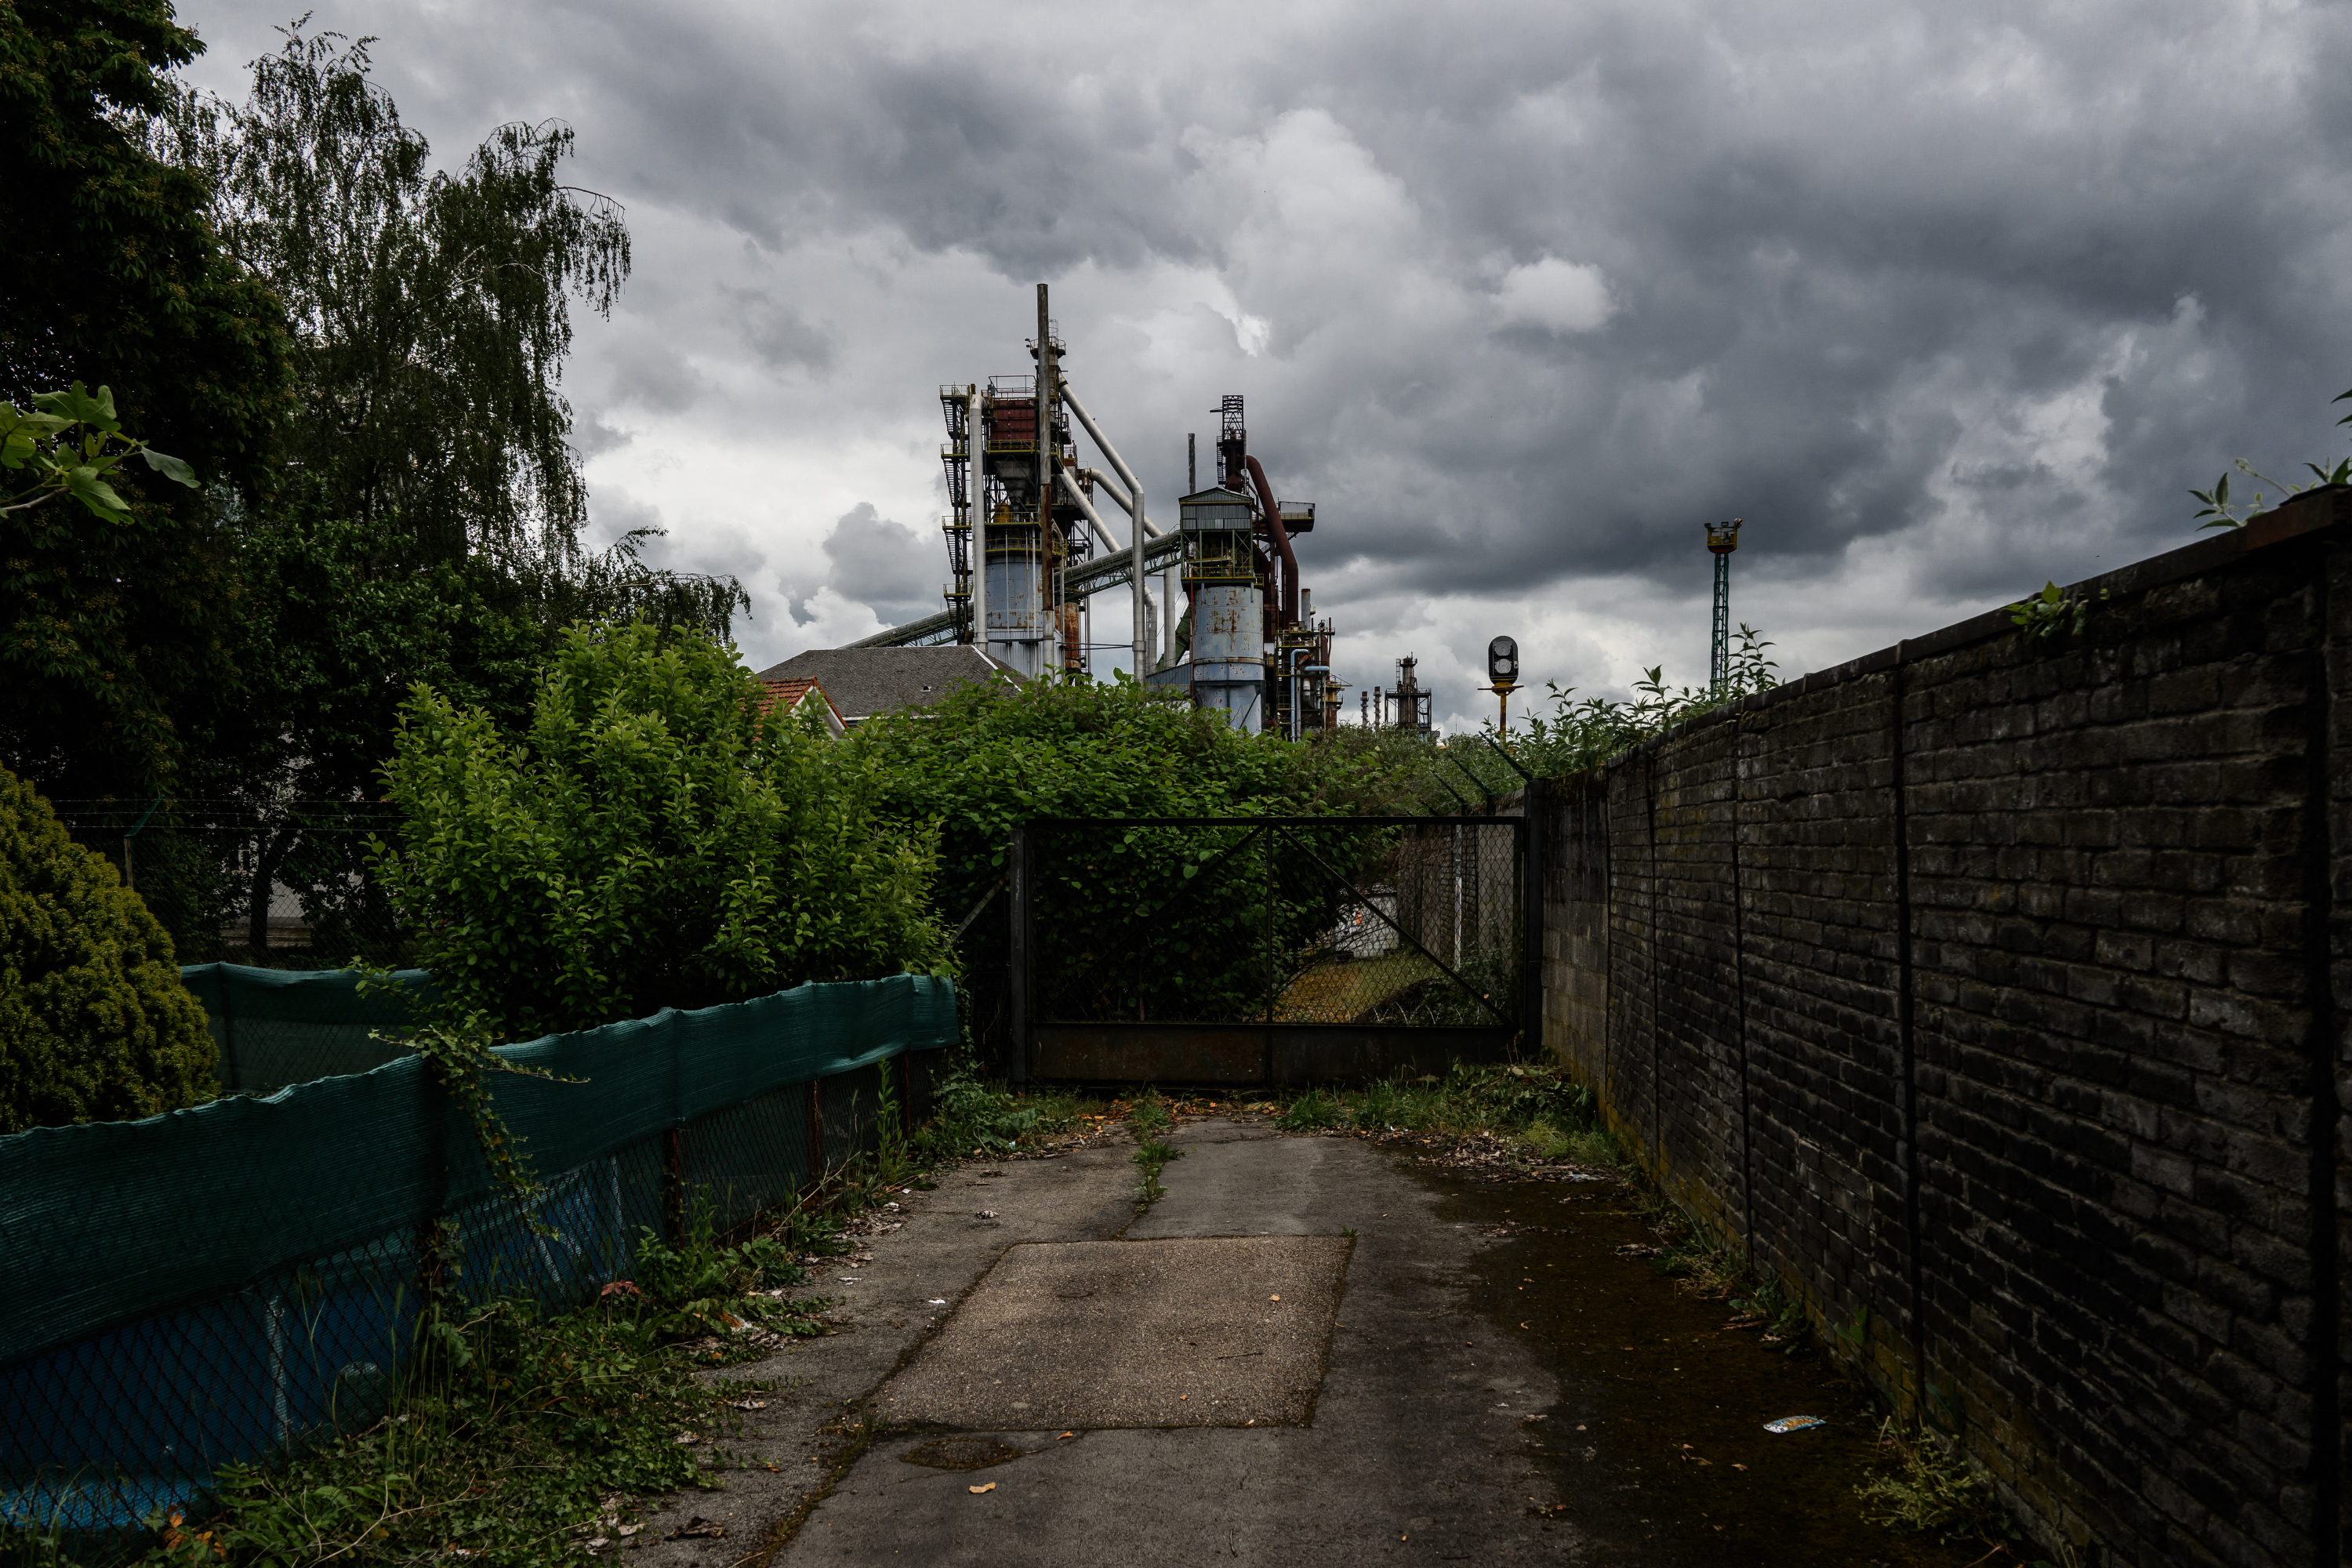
[{"x": 95, "y": 1024}]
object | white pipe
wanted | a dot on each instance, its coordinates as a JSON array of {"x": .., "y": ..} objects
[
  {"x": 1136, "y": 534},
  {"x": 1094, "y": 518},
  {"x": 1111, "y": 489},
  {"x": 1110, "y": 545},
  {"x": 976, "y": 488}
]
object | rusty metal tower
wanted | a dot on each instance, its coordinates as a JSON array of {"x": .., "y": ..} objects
[{"x": 1722, "y": 539}]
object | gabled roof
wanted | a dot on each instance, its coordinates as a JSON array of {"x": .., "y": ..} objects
[
  {"x": 790, "y": 696},
  {"x": 860, "y": 682}
]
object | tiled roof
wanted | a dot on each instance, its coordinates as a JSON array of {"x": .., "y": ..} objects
[
  {"x": 788, "y": 695},
  {"x": 863, "y": 681}
]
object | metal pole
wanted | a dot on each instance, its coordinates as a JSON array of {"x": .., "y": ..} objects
[
  {"x": 1532, "y": 852},
  {"x": 1017, "y": 1001},
  {"x": 977, "y": 490},
  {"x": 1718, "y": 673},
  {"x": 1046, "y": 459}
]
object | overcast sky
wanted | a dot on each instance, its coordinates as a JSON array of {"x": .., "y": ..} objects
[{"x": 1944, "y": 301}]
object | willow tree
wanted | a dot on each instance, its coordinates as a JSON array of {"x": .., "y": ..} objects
[
  {"x": 425, "y": 523},
  {"x": 431, "y": 308}
]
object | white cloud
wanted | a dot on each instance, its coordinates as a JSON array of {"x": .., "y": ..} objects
[{"x": 1558, "y": 296}]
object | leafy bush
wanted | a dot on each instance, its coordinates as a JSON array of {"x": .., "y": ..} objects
[
  {"x": 986, "y": 759},
  {"x": 94, "y": 1023},
  {"x": 700, "y": 1286},
  {"x": 651, "y": 840}
]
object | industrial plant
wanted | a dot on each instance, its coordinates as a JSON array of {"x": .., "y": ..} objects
[{"x": 1216, "y": 607}]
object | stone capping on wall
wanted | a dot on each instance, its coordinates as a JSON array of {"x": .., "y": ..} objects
[{"x": 2322, "y": 506}]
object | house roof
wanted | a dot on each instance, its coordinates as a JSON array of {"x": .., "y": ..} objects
[
  {"x": 790, "y": 694},
  {"x": 863, "y": 681}
]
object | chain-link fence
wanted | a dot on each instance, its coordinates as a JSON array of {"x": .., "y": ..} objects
[
  {"x": 284, "y": 884},
  {"x": 240, "y": 1281},
  {"x": 1289, "y": 920}
]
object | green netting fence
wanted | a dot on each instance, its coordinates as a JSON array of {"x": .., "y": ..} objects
[
  {"x": 278, "y": 1028},
  {"x": 236, "y": 1281}
]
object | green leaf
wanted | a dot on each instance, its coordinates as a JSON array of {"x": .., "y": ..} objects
[
  {"x": 84, "y": 485},
  {"x": 78, "y": 406},
  {"x": 171, "y": 467}
]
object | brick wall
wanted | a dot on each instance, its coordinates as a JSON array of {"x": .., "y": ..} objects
[{"x": 1988, "y": 991}]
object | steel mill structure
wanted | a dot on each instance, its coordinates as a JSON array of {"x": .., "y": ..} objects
[{"x": 1216, "y": 606}]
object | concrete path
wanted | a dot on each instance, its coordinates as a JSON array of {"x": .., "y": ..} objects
[{"x": 1416, "y": 1439}]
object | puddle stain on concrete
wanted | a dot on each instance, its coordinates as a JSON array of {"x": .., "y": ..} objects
[
  {"x": 961, "y": 1453},
  {"x": 1656, "y": 1449}
]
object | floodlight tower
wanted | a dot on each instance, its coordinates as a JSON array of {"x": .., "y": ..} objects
[{"x": 1722, "y": 539}]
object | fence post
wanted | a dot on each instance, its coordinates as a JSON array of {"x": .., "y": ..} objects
[
  {"x": 228, "y": 1025},
  {"x": 1531, "y": 919},
  {"x": 674, "y": 1185},
  {"x": 816, "y": 1130},
  {"x": 1017, "y": 949}
]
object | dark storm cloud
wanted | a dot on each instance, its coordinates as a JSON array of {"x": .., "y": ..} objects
[{"x": 1988, "y": 287}]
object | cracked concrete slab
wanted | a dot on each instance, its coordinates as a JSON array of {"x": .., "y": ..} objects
[
  {"x": 1415, "y": 1449},
  {"x": 1226, "y": 1332}
]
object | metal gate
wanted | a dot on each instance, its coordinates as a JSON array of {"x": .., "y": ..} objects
[{"x": 1271, "y": 951}]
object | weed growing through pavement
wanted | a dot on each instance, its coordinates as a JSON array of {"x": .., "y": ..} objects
[
  {"x": 1537, "y": 1105},
  {"x": 1151, "y": 1157}
]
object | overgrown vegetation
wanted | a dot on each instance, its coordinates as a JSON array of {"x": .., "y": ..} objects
[
  {"x": 1928, "y": 1487},
  {"x": 1469, "y": 770},
  {"x": 525, "y": 1437},
  {"x": 2053, "y": 613},
  {"x": 1535, "y": 1105},
  {"x": 653, "y": 840},
  {"x": 978, "y": 1116},
  {"x": 2216, "y": 510}
]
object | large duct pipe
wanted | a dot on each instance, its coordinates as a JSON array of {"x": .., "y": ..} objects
[
  {"x": 1110, "y": 547},
  {"x": 1281, "y": 541},
  {"x": 1094, "y": 518},
  {"x": 976, "y": 486},
  {"x": 1135, "y": 534},
  {"x": 1126, "y": 503}
]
